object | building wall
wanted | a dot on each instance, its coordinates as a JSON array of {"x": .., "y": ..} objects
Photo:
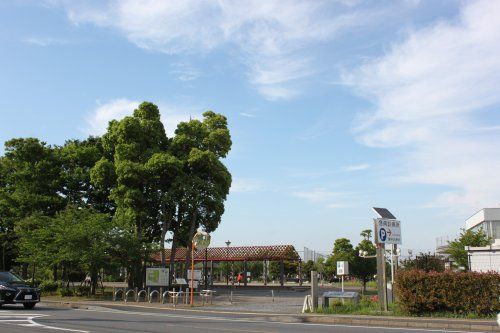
[{"x": 484, "y": 261}]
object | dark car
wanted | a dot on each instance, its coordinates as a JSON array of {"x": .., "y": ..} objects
[{"x": 13, "y": 290}]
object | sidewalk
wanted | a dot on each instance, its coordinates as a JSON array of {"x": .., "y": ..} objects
[{"x": 467, "y": 325}]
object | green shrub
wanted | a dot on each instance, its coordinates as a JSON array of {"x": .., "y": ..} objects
[
  {"x": 66, "y": 292},
  {"x": 421, "y": 292},
  {"x": 48, "y": 286},
  {"x": 83, "y": 290}
]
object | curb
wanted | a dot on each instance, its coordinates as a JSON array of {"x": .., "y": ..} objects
[
  {"x": 405, "y": 322},
  {"x": 451, "y": 324}
]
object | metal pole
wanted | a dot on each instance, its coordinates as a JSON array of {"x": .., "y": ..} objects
[
  {"x": 342, "y": 283},
  {"x": 245, "y": 273},
  {"x": 265, "y": 272},
  {"x": 282, "y": 273},
  {"x": 300, "y": 272},
  {"x": 392, "y": 264},
  {"x": 205, "y": 269},
  {"x": 192, "y": 274}
]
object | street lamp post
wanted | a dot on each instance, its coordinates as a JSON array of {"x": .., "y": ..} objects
[{"x": 227, "y": 259}]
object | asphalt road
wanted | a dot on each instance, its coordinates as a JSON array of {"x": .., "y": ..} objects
[{"x": 46, "y": 318}]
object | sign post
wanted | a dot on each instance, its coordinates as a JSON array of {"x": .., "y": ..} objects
[
  {"x": 157, "y": 277},
  {"x": 342, "y": 269},
  {"x": 387, "y": 230}
]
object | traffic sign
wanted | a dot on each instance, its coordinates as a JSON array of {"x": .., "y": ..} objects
[{"x": 387, "y": 231}]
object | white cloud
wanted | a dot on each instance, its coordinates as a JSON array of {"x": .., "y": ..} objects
[
  {"x": 184, "y": 71},
  {"x": 46, "y": 41},
  {"x": 273, "y": 38},
  {"x": 434, "y": 94},
  {"x": 240, "y": 185},
  {"x": 247, "y": 115},
  {"x": 357, "y": 167},
  {"x": 97, "y": 120},
  {"x": 318, "y": 195}
]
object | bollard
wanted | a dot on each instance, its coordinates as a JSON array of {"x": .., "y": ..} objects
[
  {"x": 148, "y": 299},
  {"x": 231, "y": 297},
  {"x": 272, "y": 295},
  {"x": 114, "y": 294},
  {"x": 161, "y": 295}
]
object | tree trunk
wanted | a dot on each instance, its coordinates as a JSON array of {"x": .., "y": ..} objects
[
  {"x": 165, "y": 226},
  {"x": 93, "y": 281},
  {"x": 192, "y": 230},
  {"x": 54, "y": 272},
  {"x": 24, "y": 271}
]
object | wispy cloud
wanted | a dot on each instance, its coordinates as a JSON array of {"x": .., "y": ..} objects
[
  {"x": 46, "y": 41},
  {"x": 327, "y": 198},
  {"x": 274, "y": 39},
  {"x": 240, "y": 185},
  {"x": 357, "y": 167},
  {"x": 429, "y": 91},
  {"x": 247, "y": 115},
  {"x": 97, "y": 120},
  {"x": 184, "y": 71}
]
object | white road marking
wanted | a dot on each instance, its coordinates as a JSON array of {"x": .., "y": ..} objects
[
  {"x": 245, "y": 320},
  {"x": 28, "y": 320}
]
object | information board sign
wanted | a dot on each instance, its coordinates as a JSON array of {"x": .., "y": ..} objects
[
  {"x": 387, "y": 231},
  {"x": 342, "y": 268},
  {"x": 157, "y": 277},
  {"x": 197, "y": 274}
]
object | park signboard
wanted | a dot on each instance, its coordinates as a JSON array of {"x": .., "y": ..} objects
[
  {"x": 342, "y": 268},
  {"x": 157, "y": 277},
  {"x": 196, "y": 274},
  {"x": 387, "y": 231}
]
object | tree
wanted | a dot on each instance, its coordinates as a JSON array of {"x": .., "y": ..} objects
[
  {"x": 364, "y": 268},
  {"x": 128, "y": 145},
  {"x": 424, "y": 261},
  {"x": 204, "y": 185},
  {"x": 30, "y": 183},
  {"x": 366, "y": 234},
  {"x": 342, "y": 251},
  {"x": 456, "y": 248}
]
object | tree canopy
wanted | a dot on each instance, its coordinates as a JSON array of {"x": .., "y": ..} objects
[{"x": 120, "y": 195}]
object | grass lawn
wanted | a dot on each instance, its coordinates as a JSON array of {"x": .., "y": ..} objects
[{"x": 369, "y": 307}]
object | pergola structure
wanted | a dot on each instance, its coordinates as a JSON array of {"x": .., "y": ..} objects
[{"x": 243, "y": 254}]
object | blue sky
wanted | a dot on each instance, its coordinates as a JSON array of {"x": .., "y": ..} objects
[{"x": 334, "y": 106}]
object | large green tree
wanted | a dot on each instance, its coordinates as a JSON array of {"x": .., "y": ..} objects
[
  {"x": 128, "y": 145},
  {"x": 30, "y": 178},
  {"x": 456, "y": 248}
]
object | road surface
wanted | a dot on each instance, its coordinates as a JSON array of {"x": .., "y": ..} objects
[{"x": 46, "y": 318}]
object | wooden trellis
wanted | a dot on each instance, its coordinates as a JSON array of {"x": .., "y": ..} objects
[{"x": 237, "y": 253}]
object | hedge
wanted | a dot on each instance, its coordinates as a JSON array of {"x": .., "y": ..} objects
[{"x": 420, "y": 292}]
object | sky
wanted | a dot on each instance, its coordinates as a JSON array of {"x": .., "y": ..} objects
[{"x": 334, "y": 107}]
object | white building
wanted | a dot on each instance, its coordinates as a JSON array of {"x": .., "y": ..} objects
[
  {"x": 487, "y": 219},
  {"x": 486, "y": 258}
]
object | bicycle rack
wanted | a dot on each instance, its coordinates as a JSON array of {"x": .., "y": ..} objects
[
  {"x": 118, "y": 291},
  {"x": 157, "y": 296},
  {"x": 164, "y": 296},
  {"x": 142, "y": 292},
  {"x": 128, "y": 293}
]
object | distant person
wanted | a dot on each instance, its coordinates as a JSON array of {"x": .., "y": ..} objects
[{"x": 239, "y": 278}]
